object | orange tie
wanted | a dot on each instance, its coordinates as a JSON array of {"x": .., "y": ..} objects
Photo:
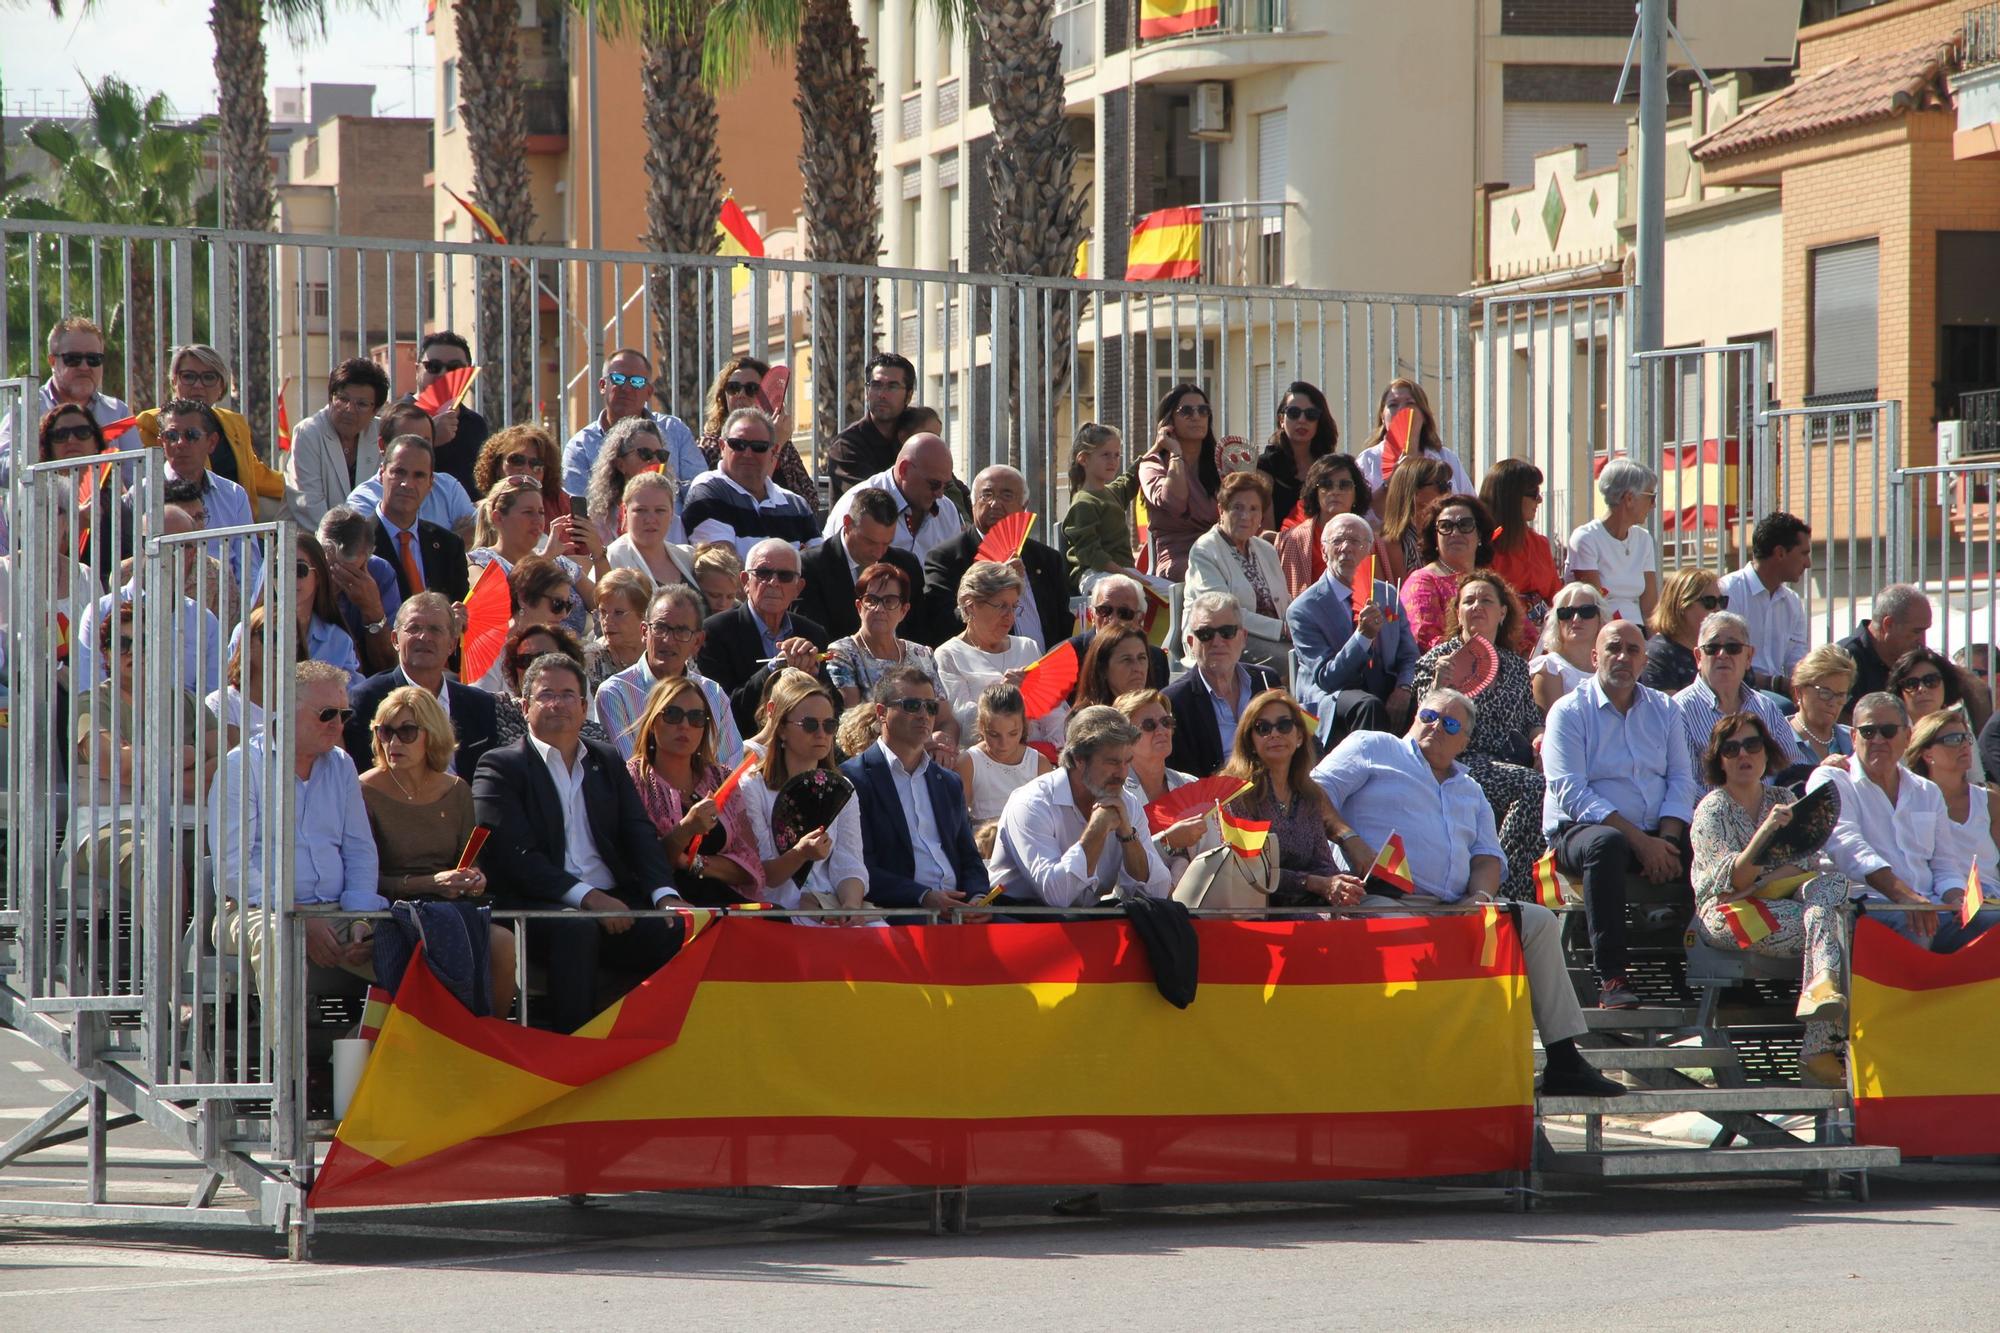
[{"x": 413, "y": 573}]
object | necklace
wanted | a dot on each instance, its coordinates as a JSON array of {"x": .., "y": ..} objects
[
  {"x": 1824, "y": 742},
  {"x": 397, "y": 778}
]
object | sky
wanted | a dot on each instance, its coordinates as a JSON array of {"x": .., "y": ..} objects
[{"x": 165, "y": 46}]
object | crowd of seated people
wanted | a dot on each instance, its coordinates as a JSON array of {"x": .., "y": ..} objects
[{"x": 680, "y": 609}]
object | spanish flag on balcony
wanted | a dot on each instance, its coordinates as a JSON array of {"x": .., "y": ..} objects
[
  {"x": 735, "y": 236},
  {"x": 1164, "y": 18},
  {"x": 1700, "y": 486},
  {"x": 1165, "y": 244}
]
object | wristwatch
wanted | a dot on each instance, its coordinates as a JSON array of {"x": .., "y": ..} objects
[
  {"x": 700, "y": 865},
  {"x": 1128, "y": 837},
  {"x": 376, "y": 627}
]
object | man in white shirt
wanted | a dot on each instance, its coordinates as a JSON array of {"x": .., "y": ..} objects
[
  {"x": 1895, "y": 834},
  {"x": 1071, "y": 837},
  {"x": 925, "y": 519},
  {"x": 1760, "y": 592}
]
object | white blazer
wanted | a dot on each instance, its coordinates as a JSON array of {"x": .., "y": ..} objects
[
  {"x": 622, "y": 554},
  {"x": 1214, "y": 566},
  {"x": 316, "y": 469}
]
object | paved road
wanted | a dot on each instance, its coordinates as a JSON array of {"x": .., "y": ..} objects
[{"x": 1385, "y": 1256}]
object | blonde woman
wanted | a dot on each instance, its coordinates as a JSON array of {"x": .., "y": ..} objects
[
  {"x": 646, "y": 542},
  {"x": 1821, "y": 683},
  {"x": 512, "y": 528},
  {"x": 817, "y": 867},
  {"x": 987, "y": 649},
  {"x": 673, "y": 765},
  {"x": 1689, "y": 597},
  {"x": 1566, "y": 655}
]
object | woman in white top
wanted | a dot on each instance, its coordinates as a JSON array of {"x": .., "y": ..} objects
[
  {"x": 239, "y": 704},
  {"x": 824, "y": 868},
  {"x": 631, "y": 448},
  {"x": 988, "y": 650},
  {"x": 647, "y": 544},
  {"x": 1399, "y": 395},
  {"x": 1615, "y": 554},
  {"x": 1001, "y": 762},
  {"x": 512, "y": 523},
  {"x": 1150, "y": 779},
  {"x": 1565, "y": 655},
  {"x": 1231, "y": 557},
  {"x": 1941, "y": 749},
  {"x": 340, "y": 444}
]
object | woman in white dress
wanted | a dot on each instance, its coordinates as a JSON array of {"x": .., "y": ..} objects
[
  {"x": 1150, "y": 779},
  {"x": 988, "y": 651},
  {"x": 824, "y": 867},
  {"x": 1615, "y": 554},
  {"x": 1941, "y": 749},
  {"x": 1565, "y": 655}
]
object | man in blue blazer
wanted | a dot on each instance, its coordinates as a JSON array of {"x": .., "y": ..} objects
[
  {"x": 915, "y": 834},
  {"x": 1352, "y": 678},
  {"x": 423, "y": 641},
  {"x": 1210, "y": 698}
]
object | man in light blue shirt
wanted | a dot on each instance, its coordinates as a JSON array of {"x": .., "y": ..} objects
[
  {"x": 195, "y": 629},
  {"x": 674, "y": 635},
  {"x": 333, "y": 850},
  {"x": 1761, "y": 592},
  {"x": 626, "y": 387},
  {"x": 1621, "y": 793},
  {"x": 189, "y": 433}
]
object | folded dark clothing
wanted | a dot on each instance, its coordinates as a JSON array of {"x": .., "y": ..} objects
[{"x": 1167, "y": 931}]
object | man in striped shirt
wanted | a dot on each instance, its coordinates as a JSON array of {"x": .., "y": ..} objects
[{"x": 1722, "y": 661}]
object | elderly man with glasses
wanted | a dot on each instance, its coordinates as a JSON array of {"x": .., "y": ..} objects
[
  {"x": 1118, "y": 600},
  {"x": 626, "y": 386},
  {"x": 762, "y": 634},
  {"x": 76, "y": 375},
  {"x": 1721, "y": 687},
  {"x": 925, "y": 519},
  {"x": 1354, "y": 669},
  {"x": 673, "y": 637},
  {"x": 738, "y": 502},
  {"x": 1210, "y": 698}
]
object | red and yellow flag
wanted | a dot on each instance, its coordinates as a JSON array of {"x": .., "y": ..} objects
[
  {"x": 1165, "y": 18},
  {"x": 1922, "y": 1028},
  {"x": 1245, "y": 835},
  {"x": 375, "y": 1012},
  {"x": 735, "y": 236},
  {"x": 284, "y": 418},
  {"x": 1975, "y": 897},
  {"x": 1749, "y": 920},
  {"x": 1392, "y": 866},
  {"x": 1165, "y": 245},
  {"x": 1548, "y": 883},
  {"x": 1403, "y": 434},
  {"x": 764, "y": 1055},
  {"x": 480, "y": 217}
]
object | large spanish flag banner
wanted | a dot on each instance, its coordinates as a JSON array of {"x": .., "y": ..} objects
[
  {"x": 767, "y": 1054},
  {"x": 1923, "y": 1030},
  {"x": 1166, "y": 244},
  {"x": 1164, "y": 18}
]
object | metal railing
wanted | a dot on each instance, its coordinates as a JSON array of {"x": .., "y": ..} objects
[
  {"x": 1837, "y": 469},
  {"x": 1953, "y": 548},
  {"x": 1248, "y": 17},
  {"x": 1074, "y": 25},
  {"x": 1243, "y": 244},
  {"x": 1979, "y": 409},
  {"x": 1695, "y": 423},
  {"x": 1982, "y": 36}
]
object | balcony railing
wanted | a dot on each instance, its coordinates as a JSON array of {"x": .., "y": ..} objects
[
  {"x": 1234, "y": 16},
  {"x": 1982, "y": 36},
  {"x": 1980, "y": 411},
  {"x": 547, "y": 107},
  {"x": 1243, "y": 243},
  {"x": 1075, "y": 25}
]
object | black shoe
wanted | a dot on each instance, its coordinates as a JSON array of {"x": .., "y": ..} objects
[
  {"x": 1613, "y": 993},
  {"x": 1582, "y": 1081}
]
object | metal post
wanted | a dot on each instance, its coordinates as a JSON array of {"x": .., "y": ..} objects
[
  {"x": 1651, "y": 330},
  {"x": 596, "y": 289}
]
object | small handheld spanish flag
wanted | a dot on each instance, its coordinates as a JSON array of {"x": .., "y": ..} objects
[
  {"x": 374, "y": 1010},
  {"x": 1749, "y": 921},
  {"x": 1548, "y": 884},
  {"x": 1245, "y": 835},
  {"x": 1392, "y": 868},
  {"x": 1975, "y": 897}
]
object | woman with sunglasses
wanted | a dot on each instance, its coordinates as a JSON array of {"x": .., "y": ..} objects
[
  {"x": 526, "y": 642},
  {"x": 1150, "y": 778},
  {"x": 1406, "y": 505},
  {"x": 1306, "y": 432},
  {"x": 1566, "y": 656},
  {"x": 1273, "y": 751},
  {"x": 1456, "y": 541},
  {"x": 1929, "y": 682},
  {"x": 646, "y": 542},
  {"x": 1402, "y": 394},
  {"x": 523, "y": 451},
  {"x": 1333, "y": 486},
  {"x": 1941, "y": 749},
  {"x": 421, "y": 815},
  {"x": 67, "y": 432},
  {"x": 1822, "y": 683},
  {"x": 1689, "y": 597},
  {"x": 1733, "y": 824},
  {"x": 988, "y": 650},
  {"x": 632, "y": 448},
  {"x": 1179, "y": 477},
  {"x": 1512, "y": 493},
  {"x": 1501, "y": 755},
  {"x": 321, "y": 636},
  {"x": 823, "y": 868},
  {"x": 674, "y": 768},
  {"x": 741, "y": 384},
  {"x": 856, "y": 662},
  {"x": 511, "y": 518}
]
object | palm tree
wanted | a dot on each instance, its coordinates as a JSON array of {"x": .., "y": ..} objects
[{"x": 496, "y": 128}]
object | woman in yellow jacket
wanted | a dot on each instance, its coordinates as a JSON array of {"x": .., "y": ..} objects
[{"x": 199, "y": 372}]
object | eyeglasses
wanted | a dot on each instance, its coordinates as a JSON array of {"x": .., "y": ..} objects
[
  {"x": 559, "y": 606},
  {"x": 1729, "y": 749},
  {"x": 409, "y": 733},
  {"x": 666, "y": 629},
  {"x": 885, "y": 602},
  {"x": 1283, "y": 726},
  {"x": 1463, "y": 527},
  {"x": 1887, "y": 731},
  {"x": 75, "y": 359},
  {"x": 1153, "y": 724},
  {"x": 915, "y": 706},
  {"x": 64, "y": 434},
  {"x": 367, "y": 404},
  {"x": 1824, "y": 695},
  {"x": 329, "y": 714},
  {"x": 208, "y": 379},
  {"x": 812, "y": 726},
  {"x": 741, "y": 388},
  {"x": 618, "y": 379},
  {"x": 1430, "y": 717},
  {"x": 434, "y": 366},
  {"x": 193, "y": 435},
  {"x": 302, "y": 569},
  {"x": 1192, "y": 410},
  {"x": 1114, "y": 612},
  {"x": 1930, "y": 680},
  {"x": 1532, "y": 497},
  {"x": 645, "y": 454},
  {"x": 1207, "y": 632},
  {"x": 1588, "y": 611},
  {"x": 782, "y": 577},
  {"x": 676, "y": 716},
  {"x": 1723, "y": 649},
  {"x": 753, "y": 446},
  {"x": 1302, "y": 414},
  {"x": 1713, "y": 601},
  {"x": 557, "y": 698},
  {"x": 1954, "y": 739},
  {"x": 1009, "y": 609},
  {"x": 525, "y": 463}
]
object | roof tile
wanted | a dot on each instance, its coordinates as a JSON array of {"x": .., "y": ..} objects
[{"x": 1850, "y": 92}]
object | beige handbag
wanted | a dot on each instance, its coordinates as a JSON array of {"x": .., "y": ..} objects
[{"x": 1221, "y": 878}]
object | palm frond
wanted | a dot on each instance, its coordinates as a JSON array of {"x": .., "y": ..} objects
[{"x": 736, "y": 27}]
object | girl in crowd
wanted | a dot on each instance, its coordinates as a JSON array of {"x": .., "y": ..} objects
[
  {"x": 622, "y": 595},
  {"x": 1273, "y": 751},
  {"x": 1179, "y": 476},
  {"x": 421, "y": 815},
  {"x": 1567, "y": 653},
  {"x": 523, "y": 451},
  {"x": 1231, "y": 557},
  {"x": 647, "y": 543},
  {"x": 512, "y": 525},
  {"x": 1733, "y": 824},
  {"x": 1115, "y": 664},
  {"x": 1941, "y": 750},
  {"x": 1456, "y": 541},
  {"x": 320, "y": 634},
  {"x": 632, "y": 448},
  {"x": 1150, "y": 779},
  {"x": 1512, "y": 494},
  {"x": 1689, "y": 597},
  {"x": 1097, "y": 533},
  {"x": 1927, "y": 682},
  {"x": 1001, "y": 761},
  {"x": 673, "y": 765},
  {"x": 1615, "y": 554},
  {"x": 1333, "y": 485},
  {"x": 856, "y": 662},
  {"x": 741, "y": 385},
  {"x": 1306, "y": 432},
  {"x": 1821, "y": 683},
  {"x": 1399, "y": 395},
  {"x": 1412, "y": 494},
  {"x": 718, "y": 575},
  {"x": 823, "y": 868},
  {"x": 1501, "y": 755}
]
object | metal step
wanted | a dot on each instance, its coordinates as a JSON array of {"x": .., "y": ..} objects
[
  {"x": 1653, "y": 1057},
  {"x": 1637, "y": 1020},
  {"x": 1708, "y": 1101},
  {"x": 1666, "y": 1162}
]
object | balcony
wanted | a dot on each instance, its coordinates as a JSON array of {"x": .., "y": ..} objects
[
  {"x": 546, "y": 105},
  {"x": 1236, "y": 39},
  {"x": 1243, "y": 244},
  {"x": 1075, "y": 25},
  {"x": 1976, "y": 88},
  {"x": 1980, "y": 411},
  {"x": 1232, "y": 18}
]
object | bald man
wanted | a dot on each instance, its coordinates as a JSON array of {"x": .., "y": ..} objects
[
  {"x": 1045, "y": 617},
  {"x": 925, "y": 519},
  {"x": 761, "y": 634}
]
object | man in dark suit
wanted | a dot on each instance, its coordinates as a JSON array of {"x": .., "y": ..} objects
[
  {"x": 866, "y": 532},
  {"x": 914, "y": 832},
  {"x": 425, "y": 556},
  {"x": 1045, "y": 615},
  {"x": 569, "y": 831},
  {"x": 744, "y": 646},
  {"x": 1117, "y": 600},
  {"x": 423, "y": 640},
  {"x": 1210, "y": 699}
]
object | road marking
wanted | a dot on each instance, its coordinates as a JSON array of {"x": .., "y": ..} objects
[
  {"x": 29, "y": 1065},
  {"x": 53, "y": 1084}
]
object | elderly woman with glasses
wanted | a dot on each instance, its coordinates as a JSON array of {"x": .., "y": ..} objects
[
  {"x": 1615, "y": 554},
  {"x": 1151, "y": 778},
  {"x": 1822, "y": 682},
  {"x": 1566, "y": 655},
  {"x": 199, "y": 374},
  {"x": 855, "y": 663},
  {"x": 988, "y": 650},
  {"x": 1941, "y": 750},
  {"x": 1689, "y": 597}
]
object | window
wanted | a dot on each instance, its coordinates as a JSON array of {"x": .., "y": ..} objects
[
  {"x": 1845, "y": 322},
  {"x": 448, "y": 96},
  {"x": 1529, "y": 129}
]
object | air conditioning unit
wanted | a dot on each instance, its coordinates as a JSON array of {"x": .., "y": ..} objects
[
  {"x": 1951, "y": 441},
  {"x": 1209, "y": 117}
]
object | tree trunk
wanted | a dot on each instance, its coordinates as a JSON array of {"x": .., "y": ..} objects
[
  {"x": 842, "y": 208},
  {"x": 141, "y": 333},
  {"x": 496, "y": 128},
  {"x": 683, "y": 198},
  {"x": 249, "y": 199},
  {"x": 1037, "y": 220}
]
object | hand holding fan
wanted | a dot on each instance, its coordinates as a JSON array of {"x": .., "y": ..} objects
[
  {"x": 447, "y": 391},
  {"x": 810, "y": 801},
  {"x": 1049, "y": 680},
  {"x": 1005, "y": 539},
  {"x": 1193, "y": 798},
  {"x": 1404, "y": 431},
  {"x": 725, "y": 790},
  {"x": 1472, "y": 667},
  {"x": 486, "y": 615}
]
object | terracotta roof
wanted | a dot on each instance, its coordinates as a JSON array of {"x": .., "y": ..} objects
[{"x": 1850, "y": 92}]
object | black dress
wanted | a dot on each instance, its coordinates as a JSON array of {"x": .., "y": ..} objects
[{"x": 1669, "y": 665}]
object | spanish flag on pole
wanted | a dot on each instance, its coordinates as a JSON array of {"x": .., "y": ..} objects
[
  {"x": 1165, "y": 18},
  {"x": 735, "y": 236},
  {"x": 1392, "y": 868},
  {"x": 480, "y": 217},
  {"x": 1749, "y": 920},
  {"x": 1245, "y": 835},
  {"x": 1165, "y": 245}
]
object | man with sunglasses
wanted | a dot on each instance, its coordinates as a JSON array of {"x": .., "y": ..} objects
[
  {"x": 1895, "y": 834},
  {"x": 189, "y": 432},
  {"x": 1118, "y": 600},
  {"x": 673, "y": 636},
  {"x": 1354, "y": 671},
  {"x": 1761, "y": 592},
  {"x": 458, "y": 434},
  {"x": 925, "y": 519},
  {"x": 866, "y": 536},
  {"x": 915, "y": 834},
  {"x": 76, "y": 375},
  {"x": 998, "y": 493},
  {"x": 1621, "y": 791},
  {"x": 1209, "y": 698},
  {"x": 626, "y": 386},
  {"x": 738, "y": 502},
  {"x": 1722, "y": 659},
  {"x": 868, "y": 446},
  {"x": 1414, "y": 785},
  {"x": 742, "y": 647},
  {"x": 424, "y": 637}
]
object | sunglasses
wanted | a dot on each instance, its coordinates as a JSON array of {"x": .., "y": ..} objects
[
  {"x": 1930, "y": 680},
  {"x": 765, "y": 574},
  {"x": 193, "y": 435},
  {"x": 301, "y": 569},
  {"x": 408, "y": 733},
  {"x": 1954, "y": 739},
  {"x": 124, "y": 642},
  {"x": 75, "y": 359},
  {"x": 1584, "y": 612},
  {"x": 64, "y": 434},
  {"x": 1153, "y": 724},
  {"x": 1713, "y": 601},
  {"x": 1283, "y": 726},
  {"x": 1723, "y": 649},
  {"x": 1302, "y": 414},
  {"x": 1119, "y": 612},
  {"x": 1192, "y": 410},
  {"x": 559, "y": 606},
  {"x": 915, "y": 706},
  {"x": 1463, "y": 527},
  {"x": 813, "y": 726},
  {"x": 618, "y": 379},
  {"x": 434, "y": 366},
  {"x": 741, "y": 388},
  {"x": 525, "y": 463},
  {"x": 1747, "y": 745},
  {"x": 645, "y": 454},
  {"x": 676, "y": 716},
  {"x": 1207, "y": 632},
  {"x": 329, "y": 714},
  {"x": 521, "y": 661},
  {"x": 1887, "y": 731},
  {"x": 753, "y": 446},
  {"x": 1431, "y": 717}
]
